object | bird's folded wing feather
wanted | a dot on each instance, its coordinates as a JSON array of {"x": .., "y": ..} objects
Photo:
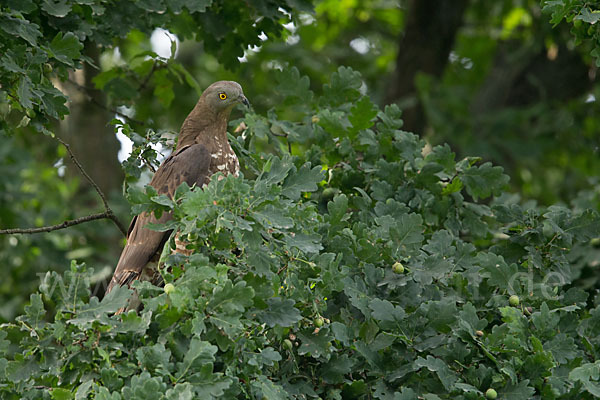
[{"x": 189, "y": 164}]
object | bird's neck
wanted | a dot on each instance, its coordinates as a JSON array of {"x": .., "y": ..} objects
[{"x": 203, "y": 126}]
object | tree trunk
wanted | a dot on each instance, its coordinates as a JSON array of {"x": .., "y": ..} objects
[
  {"x": 95, "y": 146},
  {"x": 86, "y": 129},
  {"x": 428, "y": 38},
  {"x": 524, "y": 74}
]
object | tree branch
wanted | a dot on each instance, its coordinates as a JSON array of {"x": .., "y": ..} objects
[
  {"x": 108, "y": 212},
  {"x": 85, "y": 174},
  {"x": 62, "y": 225}
]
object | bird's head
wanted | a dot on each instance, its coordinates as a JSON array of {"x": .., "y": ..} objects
[{"x": 221, "y": 96}]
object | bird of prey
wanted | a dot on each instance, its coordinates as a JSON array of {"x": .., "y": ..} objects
[{"x": 202, "y": 150}]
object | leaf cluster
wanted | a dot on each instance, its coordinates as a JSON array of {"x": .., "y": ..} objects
[
  {"x": 42, "y": 40},
  {"x": 583, "y": 16},
  {"x": 300, "y": 251}
]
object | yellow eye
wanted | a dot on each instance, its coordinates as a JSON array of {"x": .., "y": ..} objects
[{"x": 222, "y": 96}]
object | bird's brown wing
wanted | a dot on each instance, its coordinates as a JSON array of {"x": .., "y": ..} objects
[{"x": 189, "y": 164}]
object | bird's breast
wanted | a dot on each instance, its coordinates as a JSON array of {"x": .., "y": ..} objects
[{"x": 223, "y": 160}]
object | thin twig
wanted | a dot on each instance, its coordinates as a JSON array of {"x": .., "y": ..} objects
[
  {"x": 95, "y": 102},
  {"x": 114, "y": 110},
  {"x": 147, "y": 78},
  {"x": 62, "y": 225},
  {"x": 108, "y": 211},
  {"x": 149, "y": 166},
  {"x": 285, "y": 135},
  {"x": 85, "y": 174}
]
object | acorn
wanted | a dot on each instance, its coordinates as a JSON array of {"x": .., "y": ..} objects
[
  {"x": 287, "y": 344},
  {"x": 169, "y": 288},
  {"x": 514, "y": 300},
  {"x": 398, "y": 268},
  {"x": 328, "y": 194}
]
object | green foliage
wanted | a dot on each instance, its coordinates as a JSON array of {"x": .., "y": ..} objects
[
  {"x": 46, "y": 48},
  {"x": 41, "y": 40},
  {"x": 292, "y": 290},
  {"x": 274, "y": 254},
  {"x": 583, "y": 15},
  {"x": 525, "y": 121},
  {"x": 24, "y": 176}
]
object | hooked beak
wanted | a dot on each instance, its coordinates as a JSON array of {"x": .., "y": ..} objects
[{"x": 244, "y": 100}]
